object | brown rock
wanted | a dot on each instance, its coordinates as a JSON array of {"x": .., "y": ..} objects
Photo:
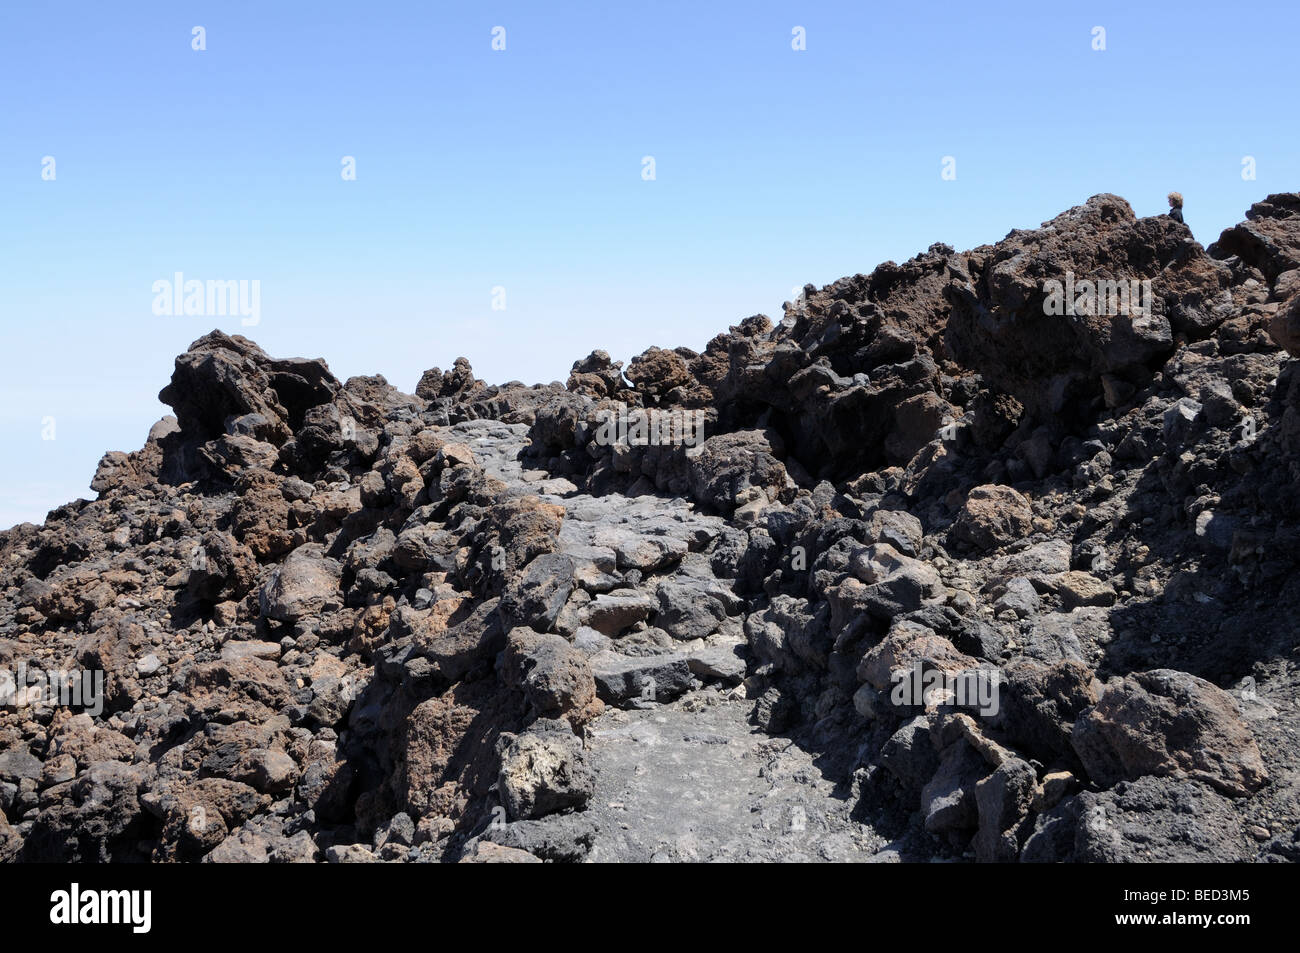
[
  {"x": 993, "y": 516},
  {"x": 261, "y": 515},
  {"x": 907, "y": 644},
  {"x": 223, "y": 376},
  {"x": 1269, "y": 238},
  {"x": 525, "y": 527},
  {"x": 1078, "y": 588},
  {"x": 1284, "y": 326},
  {"x": 1168, "y": 723},
  {"x": 1004, "y": 323}
]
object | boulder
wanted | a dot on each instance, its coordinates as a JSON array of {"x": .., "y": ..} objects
[
  {"x": 630, "y": 681},
  {"x": 1009, "y": 321},
  {"x": 305, "y": 584},
  {"x": 543, "y": 771},
  {"x": 1169, "y": 724},
  {"x": 992, "y": 517}
]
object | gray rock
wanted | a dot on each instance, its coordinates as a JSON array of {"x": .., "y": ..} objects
[
  {"x": 1155, "y": 820},
  {"x": 629, "y": 681},
  {"x": 553, "y": 675},
  {"x": 909, "y": 755},
  {"x": 948, "y": 798},
  {"x": 232, "y": 651},
  {"x": 650, "y": 553},
  {"x": 350, "y": 854},
  {"x": 723, "y": 662},
  {"x": 1019, "y": 597},
  {"x": 588, "y": 641},
  {"x": 686, "y": 611},
  {"x": 1216, "y": 529},
  {"x": 1041, "y": 559},
  {"x": 866, "y": 702},
  {"x": 536, "y": 596},
  {"x": 1179, "y": 421},
  {"x": 19, "y": 763},
  {"x": 614, "y": 612},
  {"x": 1003, "y": 800},
  {"x": 543, "y": 771}
]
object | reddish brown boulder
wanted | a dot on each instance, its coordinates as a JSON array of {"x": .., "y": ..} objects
[{"x": 1168, "y": 723}]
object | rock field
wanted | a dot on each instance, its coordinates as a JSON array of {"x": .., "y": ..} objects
[{"x": 340, "y": 623}]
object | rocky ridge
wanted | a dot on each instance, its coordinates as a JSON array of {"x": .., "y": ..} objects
[{"x": 338, "y": 622}]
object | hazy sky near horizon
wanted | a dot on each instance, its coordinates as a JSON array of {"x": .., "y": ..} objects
[{"x": 522, "y": 169}]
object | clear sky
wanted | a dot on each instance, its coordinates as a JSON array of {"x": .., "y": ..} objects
[{"x": 522, "y": 169}]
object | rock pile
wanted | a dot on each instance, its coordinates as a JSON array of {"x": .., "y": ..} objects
[{"x": 946, "y": 574}]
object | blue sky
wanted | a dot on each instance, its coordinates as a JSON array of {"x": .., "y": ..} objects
[{"x": 522, "y": 169}]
